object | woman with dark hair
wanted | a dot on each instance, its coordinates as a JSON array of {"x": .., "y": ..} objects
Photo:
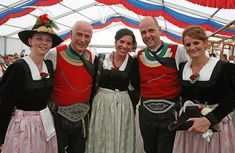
[
  {"x": 26, "y": 124},
  {"x": 112, "y": 127},
  {"x": 210, "y": 84}
]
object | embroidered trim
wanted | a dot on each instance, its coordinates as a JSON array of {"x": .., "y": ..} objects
[
  {"x": 74, "y": 55},
  {"x": 150, "y": 61},
  {"x": 72, "y": 61},
  {"x": 161, "y": 53}
]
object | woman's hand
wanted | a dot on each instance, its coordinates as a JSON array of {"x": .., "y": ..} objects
[{"x": 200, "y": 125}]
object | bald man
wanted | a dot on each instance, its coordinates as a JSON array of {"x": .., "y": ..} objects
[
  {"x": 73, "y": 76},
  {"x": 156, "y": 72}
]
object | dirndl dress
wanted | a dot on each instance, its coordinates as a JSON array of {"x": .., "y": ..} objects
[
  {"x": 112, "y": 125},
  {"x": 221, "y": 142},
  {"x": 25, "y": 134},
  {"x": 214, "y": 87}
]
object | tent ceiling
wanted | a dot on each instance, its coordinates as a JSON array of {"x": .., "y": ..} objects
[{"x": 67, "y": 12}]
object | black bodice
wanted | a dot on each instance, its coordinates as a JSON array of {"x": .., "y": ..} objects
[{"x": 113, "y": 79}]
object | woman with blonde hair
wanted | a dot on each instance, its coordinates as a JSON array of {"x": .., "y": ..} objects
[{"x": 26, "y": 124}]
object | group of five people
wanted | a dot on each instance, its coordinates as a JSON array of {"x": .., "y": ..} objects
[{"x": 66, "y": 78}]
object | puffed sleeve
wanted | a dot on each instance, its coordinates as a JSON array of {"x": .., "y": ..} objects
[
  {"x": 135, "y": 82},
  {"x": 10, "y": 87},
  {"x": 180, "y": 56},
  {"x": 226, "y": 83},
  {"x": 52, "y": 55}
]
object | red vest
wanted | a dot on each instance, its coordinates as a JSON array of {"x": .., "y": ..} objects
[
  {"x": 158, "y": 81},
  {"x": 72, "y": 82}
]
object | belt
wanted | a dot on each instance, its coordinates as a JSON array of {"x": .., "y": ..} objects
[
  {"x": 73, "y": 112},
  {"x": 158, "y": 105}
]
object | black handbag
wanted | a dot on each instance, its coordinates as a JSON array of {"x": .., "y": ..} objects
[{"x": 181, "y": 123}]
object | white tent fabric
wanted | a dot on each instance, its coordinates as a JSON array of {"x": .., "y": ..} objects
[{"x": 67, "y": 12}]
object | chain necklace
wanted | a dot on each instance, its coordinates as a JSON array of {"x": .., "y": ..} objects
[{"x": 114, "y": 65}]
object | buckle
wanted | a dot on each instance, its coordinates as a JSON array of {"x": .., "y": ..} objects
[
  {"x": 53, "y": 106},
  {"x": 158, "y": 105}
]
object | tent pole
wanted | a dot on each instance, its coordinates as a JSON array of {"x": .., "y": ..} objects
[
  {"x": 226, "y": 26},
  {"x": 5, "y": 45}
]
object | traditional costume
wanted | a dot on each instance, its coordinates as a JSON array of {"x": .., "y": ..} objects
[
  {"x": 112, "y": 127},
  {"x": 214, "y": 88},
  {"x": 71, "y": 94},
  {"x": 26, "y": 123},
  {"x": 159, "y": 91}
]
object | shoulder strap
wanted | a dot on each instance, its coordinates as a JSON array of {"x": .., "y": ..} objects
[
  {"x": 90, "y": 67},
  {"x": 165, "y": 61}
]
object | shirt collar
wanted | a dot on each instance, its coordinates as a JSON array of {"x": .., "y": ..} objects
[
  {"x": 74, "y": 52},
  {"x": 158, "y": 49}
]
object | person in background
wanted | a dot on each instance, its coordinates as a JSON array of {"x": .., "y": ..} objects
[
  {"x": 74, "y": 69},
  {"x": 156, "y": 72},
  {"x": 208, "y": 82},
  {"x": 2, "y": 69},
  {"x": 112, "y": 127},
  {"x": 212, "y": 55},
  {"x": 16, "y": 57},
  {"x": 224, "y": 58},
  {"x": 9, "y": 59},
  {"x": 2, "y": 60},
  {"x": 26, "y": 124}
]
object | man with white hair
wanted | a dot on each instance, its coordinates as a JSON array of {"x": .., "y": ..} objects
[{"x": 73, "y": 76}]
